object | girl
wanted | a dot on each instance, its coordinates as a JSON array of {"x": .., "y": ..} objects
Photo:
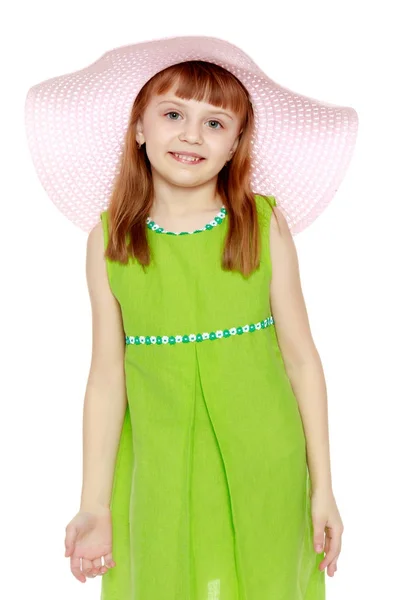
[{"x": 206, "y": 469}]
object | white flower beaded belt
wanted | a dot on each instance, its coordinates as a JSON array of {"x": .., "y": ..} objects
[{"x": 199, "y": 337}]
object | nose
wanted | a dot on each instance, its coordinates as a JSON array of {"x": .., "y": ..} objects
[{"x": 191, "y": 132}]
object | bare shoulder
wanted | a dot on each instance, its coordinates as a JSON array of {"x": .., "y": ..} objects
[
  {"x": 283, "y": 252},
  {"x": 96, "y": 266},
  {"x": 282, "y": 247},
  {"x": 96, "y": 271},
  {"x": 95, "y": 237},
  {"x": 279, "y": 223}
]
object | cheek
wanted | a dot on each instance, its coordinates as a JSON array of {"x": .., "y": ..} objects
[
  {"x": 219, "y": 148},
  {"x": 158, "y": 144}
]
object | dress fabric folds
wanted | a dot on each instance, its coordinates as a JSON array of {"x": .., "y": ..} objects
[{"x": 211, "y": 488}]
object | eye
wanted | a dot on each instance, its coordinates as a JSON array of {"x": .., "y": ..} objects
[
  {"x": 172, "y": 112},
  {"x": 213, "y": 121}
]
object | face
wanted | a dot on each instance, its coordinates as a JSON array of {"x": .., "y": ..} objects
[{"x": 172, "y": 125}]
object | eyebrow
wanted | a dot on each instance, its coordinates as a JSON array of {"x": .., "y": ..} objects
[{"x": 215, "y": 112}]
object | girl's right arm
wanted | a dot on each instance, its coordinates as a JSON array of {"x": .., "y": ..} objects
[{"x": 105, "y": 398}]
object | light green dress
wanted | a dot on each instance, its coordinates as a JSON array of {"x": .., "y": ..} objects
[{"x": 211, "y": 487}]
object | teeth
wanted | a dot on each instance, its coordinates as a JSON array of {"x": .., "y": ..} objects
[{"x": 188, "y": 158}]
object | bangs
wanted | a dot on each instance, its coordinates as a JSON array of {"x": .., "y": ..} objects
[
  {"x": 204, "y": 82},
  {"x": 133, "y": 194}
]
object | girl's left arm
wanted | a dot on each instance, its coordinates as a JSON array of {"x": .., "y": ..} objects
[{"x": 302, "y": 362}]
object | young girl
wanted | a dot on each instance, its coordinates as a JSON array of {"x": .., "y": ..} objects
[{"x": 206, "y": 470}]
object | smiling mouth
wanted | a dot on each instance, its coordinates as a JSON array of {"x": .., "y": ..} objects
[{"x": 188, "y": 160}]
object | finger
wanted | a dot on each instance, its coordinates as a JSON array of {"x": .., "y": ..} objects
[
  {"x": 327, "y": 544},
  {"x": 104, "y": 563},
  {"x": 75, "y": 565},
  {"x": 334, "y": 549},
  {"x": 319, "y": 535},
  {"x": 332, "y": 568},
  {"x": 99, "y": 565},
  {"x": 87, "y": 567},
  {"x": 109, "y": 561}
]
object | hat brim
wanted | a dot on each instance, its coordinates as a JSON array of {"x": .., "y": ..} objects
[{"x": 76, "y": 125}]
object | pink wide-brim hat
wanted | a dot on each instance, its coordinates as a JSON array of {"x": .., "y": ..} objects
[{"x": 76, "y": 125}]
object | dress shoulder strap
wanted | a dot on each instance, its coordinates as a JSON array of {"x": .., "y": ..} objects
[
  {"x": 265, "y": 206},
  {"x": 264, "y": 209},
  {"x": 109, "y": 263}
]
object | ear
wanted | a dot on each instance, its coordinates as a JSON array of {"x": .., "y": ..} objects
[
  {"x": 139, "y": 131},
  {"x": 235, "y": 145}
]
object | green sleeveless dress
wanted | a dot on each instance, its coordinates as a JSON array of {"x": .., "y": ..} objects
[{"x": 210, "y": 497}]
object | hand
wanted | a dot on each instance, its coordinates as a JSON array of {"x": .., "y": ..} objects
[
  {"x": 89, "y": 537},
  {"x": 325, "y": 516}
]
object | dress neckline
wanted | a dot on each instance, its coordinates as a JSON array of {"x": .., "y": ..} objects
[{"x": 217, "y": 220}]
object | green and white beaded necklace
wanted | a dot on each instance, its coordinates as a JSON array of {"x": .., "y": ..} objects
[{"x": 210, "y": 225}]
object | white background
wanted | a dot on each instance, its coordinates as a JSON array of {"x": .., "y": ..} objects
[{"x": 341, "y": 52}]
